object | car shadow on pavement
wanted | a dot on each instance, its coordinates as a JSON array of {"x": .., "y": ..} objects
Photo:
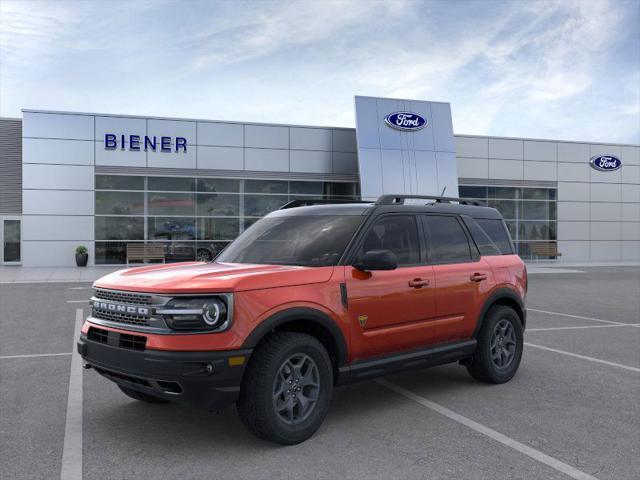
[{"x": 128, "y": 424}]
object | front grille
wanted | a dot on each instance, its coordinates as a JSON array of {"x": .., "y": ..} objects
[
  {"x": 127, "y": 318},
  {"x": 123, "y": 297},
  {"x": 122, "y": 340}
]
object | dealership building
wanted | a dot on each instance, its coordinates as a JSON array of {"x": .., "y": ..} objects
[{"x": 112, "y": 181}]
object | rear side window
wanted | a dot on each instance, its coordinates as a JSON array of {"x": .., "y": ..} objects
[
  {"x": 397, "y": 233},
  {"x": 447, "y": 241},
  {"x": 485, "y": 244},
  {"x": 498, "y": 233}
]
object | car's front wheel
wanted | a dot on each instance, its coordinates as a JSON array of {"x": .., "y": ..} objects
[
  {"x": 499, "y": 350},
  {"x": 286, "y": 390}
]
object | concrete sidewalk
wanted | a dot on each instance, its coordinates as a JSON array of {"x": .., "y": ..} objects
[{"x": 11, "y": 274}]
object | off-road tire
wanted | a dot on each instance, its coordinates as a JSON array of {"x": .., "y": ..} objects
[
  {"x": 141, "y": 396},
  {"x": 256, "y": 404},
  {"x": 482, "y": 366}
]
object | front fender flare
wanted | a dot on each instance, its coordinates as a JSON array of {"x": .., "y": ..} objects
[{"x": 297, "y": 314}]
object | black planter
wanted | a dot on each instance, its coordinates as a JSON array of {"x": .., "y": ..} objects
[{"x": 82, "y": 259}]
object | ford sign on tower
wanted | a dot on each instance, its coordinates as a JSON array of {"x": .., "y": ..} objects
[{"x": 405, "y": 121}]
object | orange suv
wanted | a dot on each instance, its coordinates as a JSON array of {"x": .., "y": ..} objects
[{"x": 315, "y": 295}]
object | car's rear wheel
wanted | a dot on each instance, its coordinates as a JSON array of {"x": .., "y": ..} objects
[
  {"x": 499, "y": 350},
  {"x": 141, "y": 396},
  {"x": 286, "y": 390}
]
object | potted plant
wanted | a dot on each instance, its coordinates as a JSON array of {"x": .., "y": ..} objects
[{"x": 82, "y": 256}]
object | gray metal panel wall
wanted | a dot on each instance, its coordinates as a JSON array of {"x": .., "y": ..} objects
[
  {"x": 420, "y": 162},
  {"x": 10, "y": 166}
]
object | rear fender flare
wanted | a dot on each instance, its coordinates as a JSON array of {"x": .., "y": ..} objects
[{"x": 500, "y": 296}]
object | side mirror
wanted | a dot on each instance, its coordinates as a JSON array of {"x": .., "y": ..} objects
[{"x": 378, "y": 260}]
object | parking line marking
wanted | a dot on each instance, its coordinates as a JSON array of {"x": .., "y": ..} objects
[
  {"x": 582, "y": 327},
  {"x": 489, "y": 432},
  {"x": 577, "y": 316},
  {"x": 77, "y": 301},
  {"x": 584, "y": 357},
  {"x": 72, "y": 448},
  {"x": 6, "y": 357}
]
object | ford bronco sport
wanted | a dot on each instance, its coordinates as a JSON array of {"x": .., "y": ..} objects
[{"x": 310, "y": 297}]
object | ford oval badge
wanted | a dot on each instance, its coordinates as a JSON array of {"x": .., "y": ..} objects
[
  {"x": 605, "y": 163},
  {"x": 405, "y": 121}
]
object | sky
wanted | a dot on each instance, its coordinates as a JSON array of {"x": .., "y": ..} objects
[{"x": 540, "y": 69}]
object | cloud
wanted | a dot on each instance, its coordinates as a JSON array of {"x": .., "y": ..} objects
[{"x": 508, "y": 68}]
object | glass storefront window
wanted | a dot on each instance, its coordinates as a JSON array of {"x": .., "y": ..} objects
[
  {"x": 119, "y": 182},
  {"x": 213, "y": 204},
  {"x": 213, "y": 185},
  {"x": 530, "y": 213},
  {"x": 218, "y": 228},
  {"x": 168, "y": 228},
  {"x": 266, "y": 186},
  {"x": 473, "y": 192},
  {"x": 171, "y": 204},
  {"x": 119, "y": 203},
  {"x": 306, "y": 188},
  {"x": 119, "y": 228},
  {"x": 260, "y": 205},
  {"x": 194, "y": 218},
  {"x": 110, "y": 253},
  {"x": 177, "y": 184},
  {"x": 506, "y": 207}
]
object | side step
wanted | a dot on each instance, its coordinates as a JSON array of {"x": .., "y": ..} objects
[{"x": 413, "y": 360}]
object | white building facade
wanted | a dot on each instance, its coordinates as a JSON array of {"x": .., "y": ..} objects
[{"x": 105, "y": 181}]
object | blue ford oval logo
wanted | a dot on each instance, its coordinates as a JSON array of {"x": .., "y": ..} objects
[
  {"x": 405, "y": 121},
  {"x": 605, "y": 163}
]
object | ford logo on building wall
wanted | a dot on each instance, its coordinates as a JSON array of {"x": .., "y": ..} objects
[
  {"x": 605, "y": 163},
  {"x": 405, "y": 121}
]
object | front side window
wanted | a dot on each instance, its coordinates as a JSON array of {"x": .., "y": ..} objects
[
  {"x": 447, "y": 241},
  {"x": 312, "y": 241},
  {"x": 398, "y": 233}
]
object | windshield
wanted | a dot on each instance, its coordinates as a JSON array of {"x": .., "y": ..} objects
[{"x": 312, "y": 241}]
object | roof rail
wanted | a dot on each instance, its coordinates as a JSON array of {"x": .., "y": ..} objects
[
  {"x": 399, "y": 199},
  {"x": 317, "y": 201}
]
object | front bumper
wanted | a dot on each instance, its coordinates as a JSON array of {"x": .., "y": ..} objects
[{"x": 205, "y": 379}]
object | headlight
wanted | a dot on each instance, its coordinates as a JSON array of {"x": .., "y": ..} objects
[{"x": 204, "y": 313}]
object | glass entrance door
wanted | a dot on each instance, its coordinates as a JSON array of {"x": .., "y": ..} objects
[{"x": 10, "y": 235}]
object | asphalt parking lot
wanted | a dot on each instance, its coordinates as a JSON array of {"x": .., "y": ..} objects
[{"x": 572, "y": 411}]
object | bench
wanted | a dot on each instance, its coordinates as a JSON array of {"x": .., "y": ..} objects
[
  {"x": 142, "y": 252},
  {"x": 545, "y": 249}
]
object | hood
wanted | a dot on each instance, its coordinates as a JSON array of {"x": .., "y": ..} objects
[{"x": 198, "y": 277}]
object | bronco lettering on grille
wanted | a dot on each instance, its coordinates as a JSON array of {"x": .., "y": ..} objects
[{"x": 117, "y": 308}]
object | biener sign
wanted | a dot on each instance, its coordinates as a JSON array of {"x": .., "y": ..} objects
[{"x": 139, "y": 142}]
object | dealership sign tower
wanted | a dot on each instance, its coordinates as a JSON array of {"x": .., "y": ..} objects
[{"x": 405, "y": 146}]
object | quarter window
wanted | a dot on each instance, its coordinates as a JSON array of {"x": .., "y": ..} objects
[
  {"x": 447, "y": 241},
  {"x": 398, "y": 233}
]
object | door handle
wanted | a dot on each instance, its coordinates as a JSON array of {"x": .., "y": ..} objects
[
  {"x": 418, "y": 283},
  {"x": 478, "y": 277}
]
